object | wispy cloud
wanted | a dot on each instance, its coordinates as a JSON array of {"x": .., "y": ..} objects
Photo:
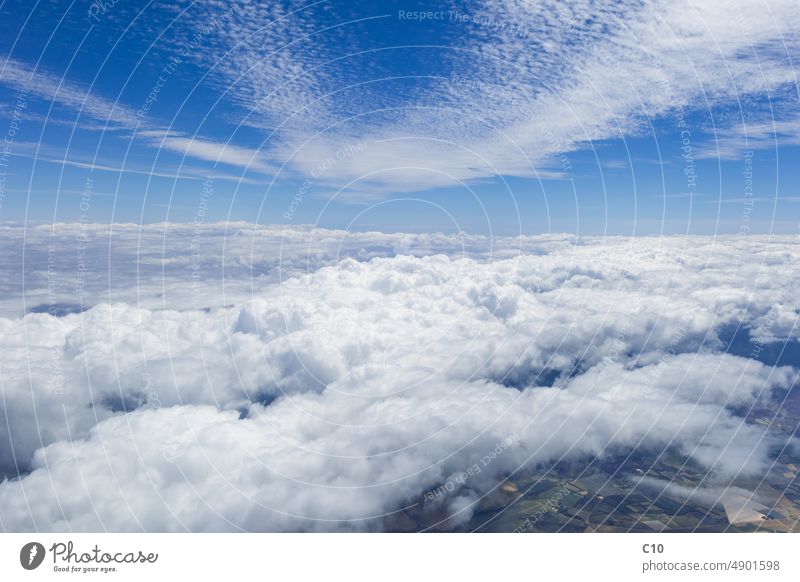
[
  {"x": 732, "y": 142},
  {"x": 105, "y": 115},
  {"x": 517, "y": 87},
  {"x": 61, "y": 92},
  {"x": 182, "y": 173},
  {"x": 774, "y": 200},
  {"x": 211, "y": 151},
  {"x": 524, "y": 84}
]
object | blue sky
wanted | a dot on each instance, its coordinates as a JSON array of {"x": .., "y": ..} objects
[{"x": 500, "y": 117}]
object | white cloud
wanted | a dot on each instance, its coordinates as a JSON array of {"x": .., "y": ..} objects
[
  {"x": 342, "y": 388},
  {"x": 732, "y": 143},
  {"x": 225, "y": 153},
  {"x": 116, "y": 116},
  {"x": 61, "y": 92},
  {"x": 519, "y": 85}
]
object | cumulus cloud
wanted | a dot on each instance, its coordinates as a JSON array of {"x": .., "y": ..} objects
[{"x": 345, "y": 374}]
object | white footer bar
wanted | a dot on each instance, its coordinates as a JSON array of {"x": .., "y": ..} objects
[{"x": 406, "y": 557}]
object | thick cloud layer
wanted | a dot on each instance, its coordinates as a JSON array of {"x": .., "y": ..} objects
[{"x": 339, "y": 386}]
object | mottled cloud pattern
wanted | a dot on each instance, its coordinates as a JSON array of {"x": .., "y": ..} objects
[{"x": 323, "y": 380}]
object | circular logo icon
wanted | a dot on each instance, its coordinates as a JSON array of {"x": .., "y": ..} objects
[{"x": 31, "y": 555}]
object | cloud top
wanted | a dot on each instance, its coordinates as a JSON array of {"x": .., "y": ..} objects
[{"x": 339, "y": 391}]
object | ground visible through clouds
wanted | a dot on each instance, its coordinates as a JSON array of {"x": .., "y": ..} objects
[{"x": 240, "y": 377}]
